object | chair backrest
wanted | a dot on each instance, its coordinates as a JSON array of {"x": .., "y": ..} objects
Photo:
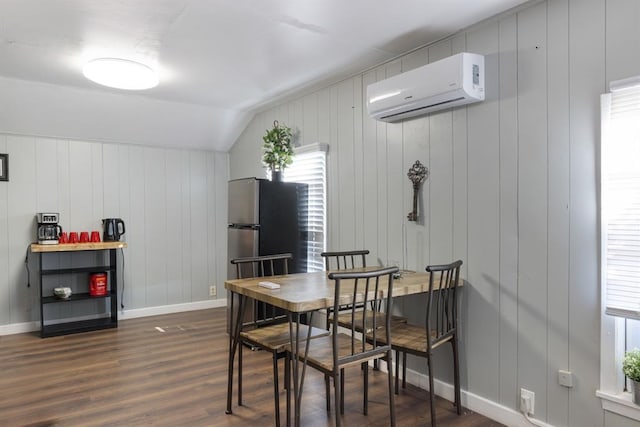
[
  {"x": 344, "y": 259},
  {"x": 366, "y": 289},
  {"x": 441, "y": 313},
  {"x": 263, "y": 266}
]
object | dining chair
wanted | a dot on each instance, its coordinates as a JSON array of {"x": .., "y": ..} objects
[
  {"x": 267, "y": 328},
  {"x": 343, "y": 260},
  {"x": 440, "y": 327},
  {"x": 332, "y": 354}
]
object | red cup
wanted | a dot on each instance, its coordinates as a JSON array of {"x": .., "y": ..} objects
[
  {"x": 73, "y": 237},
  {"x": 64, "y": 238},
  {"x": 84, "y": 237},
  {"x": 95, "y": 236}
]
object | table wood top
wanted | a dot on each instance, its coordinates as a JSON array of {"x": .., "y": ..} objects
[
  {"x": 304, "y": 292},
  {"x": 70, "y": 247}
]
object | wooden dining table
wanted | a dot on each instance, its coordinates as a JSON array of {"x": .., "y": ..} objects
[{"x": 297, "y": 295}]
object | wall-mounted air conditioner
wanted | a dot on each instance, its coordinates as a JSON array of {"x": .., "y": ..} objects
[{"x": 450, "y": 82}]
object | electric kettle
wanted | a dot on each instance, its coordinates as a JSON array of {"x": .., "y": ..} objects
[{"x": 113, "y": 229}]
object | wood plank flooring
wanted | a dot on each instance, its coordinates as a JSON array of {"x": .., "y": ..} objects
[{"x": 171, "y": 370}]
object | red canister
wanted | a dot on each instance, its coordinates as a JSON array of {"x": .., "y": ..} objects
[{"x": 98, "y": 284}]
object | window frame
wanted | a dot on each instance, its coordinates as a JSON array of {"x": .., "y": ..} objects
[{"x": 612, "y": 329}]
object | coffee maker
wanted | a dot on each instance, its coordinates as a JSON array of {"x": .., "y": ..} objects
[{"x": 48, "y": 229}]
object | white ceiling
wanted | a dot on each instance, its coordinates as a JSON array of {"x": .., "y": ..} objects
[{"x": 229, "y": 56}]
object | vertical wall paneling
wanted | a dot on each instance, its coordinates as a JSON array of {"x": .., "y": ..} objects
[
  {"x": 309, "y": 125},
  {"x": 123, "y": 193},
  {"x": 508, "y": 71},
  {"x": 369, "y": 174},
  {"x": 155, "y": 226},
  {"x": 221, "y": 163},
  {"x": 97, "y": 186},
  {"x": 586, "y": 52},
  {"x": 172, "y": 238},
  {"x": 415, "y": 235},
  {"x": 459, "y": 145},
  {"x": 346, "y": 194},
  {"x": 622, "y": 39},
  {"x": 559, "y": 193},
  {"x": 136, "y": 227},
  {"x": 482, "y": 321},
  {"x": 358, "y": 148},
  {"x": 21, "y": 208},
  {"x": 81, "y": 186},
  {"x": 440, "y": 182},
  {"x": 532, "y": 202},
  {"x": 381, "y": 182},
  {"x": 46, "y": 176},
  {"x": 334, "y": 219},
  {"x": 212, "y": 235},
  {"x": 199, "y": 288},
  {"x": 5, "y": 289},
  {"x": 396, "y": 179},
  {"x": 187, "y": 250}
]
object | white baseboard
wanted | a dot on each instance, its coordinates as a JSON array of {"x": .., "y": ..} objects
[
  {"x": 169, "y": 309},
  {"x": 479, "y": 404},
  {"x": 24, "y": 327}
]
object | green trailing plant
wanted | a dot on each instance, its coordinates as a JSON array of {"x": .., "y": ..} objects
[
  {"x": 631, "y": 364},
  {"x": 278, "y": 150}
]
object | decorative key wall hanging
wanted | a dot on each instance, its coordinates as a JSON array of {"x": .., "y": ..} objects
[{"x": 417, "y": 174}]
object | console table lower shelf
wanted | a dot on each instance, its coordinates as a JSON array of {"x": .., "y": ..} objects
[{"x": 106, "y": 320}]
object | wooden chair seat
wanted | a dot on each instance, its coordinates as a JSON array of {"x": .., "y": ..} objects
[
  {"x": 409, "y": 338},
  {"x": 276, "y": 337},
  {"x": 321, "y": 351},
  {"x": 345, "y": 320}
]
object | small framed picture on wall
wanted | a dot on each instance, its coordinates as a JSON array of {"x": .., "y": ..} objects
[{"x": 4, "y": 167}]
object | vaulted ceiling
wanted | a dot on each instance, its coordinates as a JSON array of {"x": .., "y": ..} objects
[{"x": 224, "y": 57}]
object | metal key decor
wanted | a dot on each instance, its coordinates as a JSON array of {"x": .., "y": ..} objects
[{"x": 417, "y": 174}]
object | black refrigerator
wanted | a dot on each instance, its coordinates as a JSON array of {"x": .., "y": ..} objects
[{"x": 267, "y": 218}]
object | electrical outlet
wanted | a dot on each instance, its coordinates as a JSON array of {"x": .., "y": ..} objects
[
  {"x": 527, "y": 401},
  {"x": 212, "y": 291},
  {"x": 565, "y": 378}
]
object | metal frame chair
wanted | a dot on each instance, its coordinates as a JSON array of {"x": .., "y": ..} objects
[
  {"x": 441, "y": 326},
  {"x": 331, "y": 354},
  {"x": 268, "y": 328}
]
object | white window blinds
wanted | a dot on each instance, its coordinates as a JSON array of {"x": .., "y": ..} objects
[
  {"x": 309, "y": 167},
  {"x": 620, "y": 198}
]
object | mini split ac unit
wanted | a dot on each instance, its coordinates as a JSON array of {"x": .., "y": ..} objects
[{"x": 450, "y": 82}]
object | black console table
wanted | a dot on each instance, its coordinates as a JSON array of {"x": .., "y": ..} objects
[{"x": 63, "y": 328}]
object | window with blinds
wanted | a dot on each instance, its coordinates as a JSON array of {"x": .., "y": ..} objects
[
  {"x": 310, "y": 167},
  {"x": 620, "y": 198}
]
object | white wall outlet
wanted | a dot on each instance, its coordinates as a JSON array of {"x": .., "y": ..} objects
[
  {"x": 212, "y": 291},
  {"x": 527, "y": 401},
  {"x": 565, "y": 378}
]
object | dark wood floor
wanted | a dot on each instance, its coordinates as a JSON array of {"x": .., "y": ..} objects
[{"x": 139, "y": 375}]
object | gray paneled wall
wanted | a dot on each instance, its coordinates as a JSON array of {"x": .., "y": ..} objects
[
  {"x": 172, "y": 201},
  {"x": 512, "y": 192}
]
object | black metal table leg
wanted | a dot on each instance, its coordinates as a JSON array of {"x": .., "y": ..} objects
[{"x": 234, "y": 340}]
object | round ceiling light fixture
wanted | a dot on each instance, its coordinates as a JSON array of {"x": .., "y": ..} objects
[{"x": 120, "y": 73}]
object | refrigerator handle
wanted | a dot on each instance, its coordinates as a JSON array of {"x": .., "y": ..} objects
[{"x": 245, "y": 226}]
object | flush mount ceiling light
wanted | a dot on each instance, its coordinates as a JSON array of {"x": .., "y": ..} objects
[{"x": 120, "y": 73}]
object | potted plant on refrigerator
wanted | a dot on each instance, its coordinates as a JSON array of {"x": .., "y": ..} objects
[
  {"x": 278, "y": 150},
  {"x": 631, "y": 368}
]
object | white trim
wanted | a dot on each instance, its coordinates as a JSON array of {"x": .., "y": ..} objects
[
  {"x": 620, "y": 404},
  {"x": 25, "y": 327},
  {"x": 19, "y": 328},
  {"x": 311, "y": 148},
  {"x": 169, "y": 309},
  {"x": 479, "y": 404}
]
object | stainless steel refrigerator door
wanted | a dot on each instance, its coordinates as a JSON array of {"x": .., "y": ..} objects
[
  {"x": 241, "y": 242},
  {"x": 244, "y": 201}
]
